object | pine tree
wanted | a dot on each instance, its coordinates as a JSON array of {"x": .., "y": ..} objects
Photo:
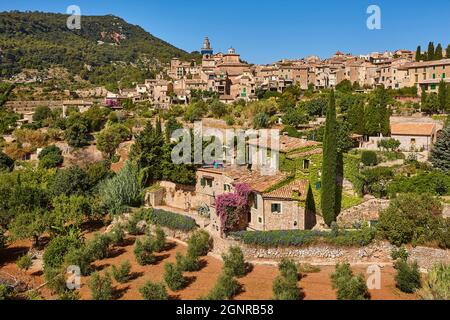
[
  {"x": 329, "y": 165},
  {"x": 443, "y": 96},
  {"x": 418, "y": 54},
  {"x": 430, "y": 54},
  {"x": 440, "y": 156},
  {"x": 447, "y": 55},
  {"x": 438, "y": 52}
]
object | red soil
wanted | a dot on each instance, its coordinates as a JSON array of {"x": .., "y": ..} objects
[{"x": 257, "y": 285}]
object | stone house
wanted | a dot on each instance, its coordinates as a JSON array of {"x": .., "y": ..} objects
[
  {"x": 414, "y": 136},
  {"x": 272, "y": 208}
]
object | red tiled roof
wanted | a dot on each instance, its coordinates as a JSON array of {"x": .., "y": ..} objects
[
  {"x": 294, "y": 190},
  {"x": 413, "y": 129}
]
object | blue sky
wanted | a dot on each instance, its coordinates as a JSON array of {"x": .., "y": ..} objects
[{"x": 264, "y": 31}]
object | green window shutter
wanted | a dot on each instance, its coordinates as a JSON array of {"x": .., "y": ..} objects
[
  {"x": 203, "y": 182},
  {"x": 255, "y": 200}
]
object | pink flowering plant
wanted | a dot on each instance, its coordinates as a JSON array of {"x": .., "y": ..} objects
[{"x": 232, "y": 207}]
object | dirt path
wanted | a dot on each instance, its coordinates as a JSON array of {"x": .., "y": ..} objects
[{"x": 257, "y": 285}]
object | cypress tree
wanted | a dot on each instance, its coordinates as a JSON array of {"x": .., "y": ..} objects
[
  {"x": 430, "y": 54},
  {"x": 447, "y": 55},
  {"x": 438, "y": 53},
  {"x": 329, "y": 164},
  {"x": 442, "y": 96},
  {"x": 418, "y": 54}
]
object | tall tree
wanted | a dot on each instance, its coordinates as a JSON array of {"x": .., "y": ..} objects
[
  {"x": 377, "y": 116},
  {"x": 355, "y": 118},
  {"x": 447, "y": 55},
  {"x": 438, "y": 55},
  {"x": 329, "y": 164},
  {"x": 443, "y": 96},
  {"x": 147, "y": 152},
  {"x": 419, "y": 54},
  {"x": 431, "y": 52},
  {"x": 440, "y": 156}
]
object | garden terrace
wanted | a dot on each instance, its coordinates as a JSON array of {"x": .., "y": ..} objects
[
  {"x": 170, "y": 220},
  {"x": 300, "y": 238}
]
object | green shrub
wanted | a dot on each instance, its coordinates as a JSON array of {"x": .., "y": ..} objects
[
  {"x": 288, "y": 269},
  {"x": 56, "y": 280},
  {"x": 101, "y": 287},
  {"x": 199, "y": 244},
  {"x": 348, "y": 286},
  {"x": 143, "y": 253},
  {"x": 437, "y": 284},
  {"x": 69, "y": 295},
  {"x": 415, "y": 219},
  {"x": 299, "y": 238},
  {"x": 159, "y": 243},
  {"x": 132, "y": 225},
  {"x": 34, "y": 295},
  {"x": 154, "y": 291},
  {"x": 25, "y": 262},
  {"x": 400, "y": 254},
  {"x": 285, "y": 289},
  {"x": 369, "y": 158},
  {"x": 171, "y": 220},
  {"x": 234, "y": 262},
  {"x": 285, "y": 284},
  {"x": 408, "y": 277},
  {"x": 122, "y": 274},
  {"x": 80, "y": 257},
  {"x": 4, "y": 292},
  {"x": 189, "y": 263},
  {"x": 57, "y": 249},
  {"x": 117, "y": 236},
  {"x": 173, "y": 277},
  {"x": 226, "y": 287},
  {"x": 50, "y": 157},
  {"x": 98, "y": 247},
  {"x": 436, "y": 183}
]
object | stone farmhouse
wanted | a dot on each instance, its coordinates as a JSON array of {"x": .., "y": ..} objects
[
  {"x": 274, "y": 206},
  {"x": 415, "y": 136}
]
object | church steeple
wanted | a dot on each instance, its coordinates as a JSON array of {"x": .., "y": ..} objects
[{"x": 206, "y": 49}]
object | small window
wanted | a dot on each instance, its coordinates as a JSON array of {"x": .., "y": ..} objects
[
  {"x": 203, "y": 182},
  {"x": 226, "y": 188},
  {"x": 306, "y": 164},
  {"x": 276, "y": 207},
  {"x": 209, "y": 182},
  {"x": 255, "y": 200},
  {"x": 260, "y": 220},
  {"x": 413, "y": 141}
]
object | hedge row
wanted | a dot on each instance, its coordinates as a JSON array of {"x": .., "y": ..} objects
[
  {"x": 171, "y": 220},
  {"x": 298, "y": 238}
]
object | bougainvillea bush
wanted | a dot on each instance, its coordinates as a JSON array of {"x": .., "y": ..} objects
[{"x": 231, "y": 207}]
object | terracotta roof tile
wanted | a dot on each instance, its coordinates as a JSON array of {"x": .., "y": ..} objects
[
  {"x": 413, "y": 129},
  {"x": 254, "y": 178},
  {"x": 294, "y": 190}
]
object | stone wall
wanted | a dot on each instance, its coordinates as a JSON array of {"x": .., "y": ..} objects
[
  {"x": 365, "y": 212},
  {"x": 178, "y": 196},
  {"x": 376, "y": 253}
]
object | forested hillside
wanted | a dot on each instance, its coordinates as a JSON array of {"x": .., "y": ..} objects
[{"x": 100, "y": 52}]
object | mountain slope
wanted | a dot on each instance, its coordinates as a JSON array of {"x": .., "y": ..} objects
[{"x": 105, "y": 44}]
